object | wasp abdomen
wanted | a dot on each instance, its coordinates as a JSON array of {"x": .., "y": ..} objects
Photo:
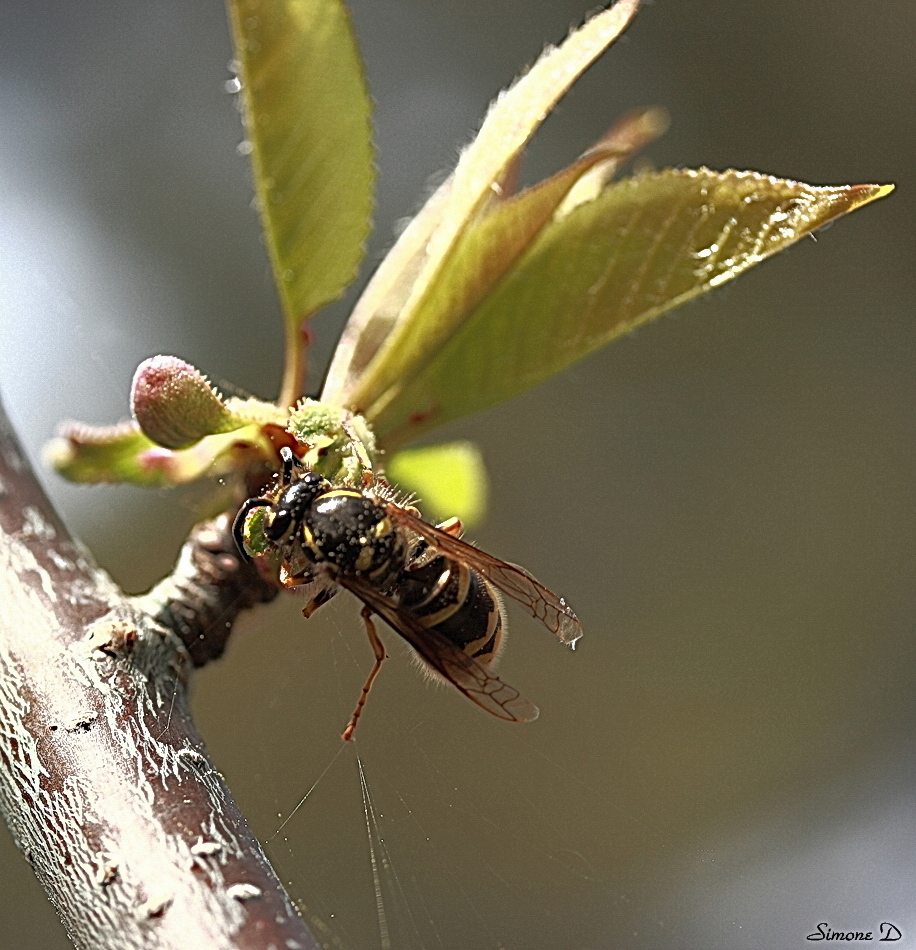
[{"x": 457, "y": 602}]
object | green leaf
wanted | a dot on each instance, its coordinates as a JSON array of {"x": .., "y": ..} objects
[
  {"x": 641, "y": 247},
  {"x": 450, "y": 480},
  {"x": 307, "y": 113},
  {"x": 474, "y": 187},
  {"x": 123, "y": 454}
]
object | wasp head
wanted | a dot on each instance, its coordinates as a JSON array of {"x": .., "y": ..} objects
[{"x": 292, "y": 506}]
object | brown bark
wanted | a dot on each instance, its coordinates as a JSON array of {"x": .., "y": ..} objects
[{"x": 104, "y": 780}]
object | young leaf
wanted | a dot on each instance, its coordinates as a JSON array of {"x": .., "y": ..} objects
[
  {"x": 512, "y": 120},
  {"x": 382, "y": 302},
  {"x": 100, "y": 454},
  {"x": 641, "y": 247},
  {"x": 307, "y": 114},
  {"x": 340, "y": 444},
  {"x": 122, "y": 453},
  {"x": 485, "y": 250}
]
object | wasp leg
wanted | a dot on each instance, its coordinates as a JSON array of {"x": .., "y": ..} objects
[
  {"x": 288, "y": 579},
  {"x": 422, "y": 553},
  {"x": 319, "y": 600},
  {"x": 380, "y": 657},
  {"x": 453, "y": 527}
]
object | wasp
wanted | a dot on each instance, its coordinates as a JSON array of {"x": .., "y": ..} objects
[{"x": 438, "y": 592}]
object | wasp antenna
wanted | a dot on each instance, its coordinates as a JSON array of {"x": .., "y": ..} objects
[
  {"x": 286, "y": 456},
  {"x": 238, "y": 524}
]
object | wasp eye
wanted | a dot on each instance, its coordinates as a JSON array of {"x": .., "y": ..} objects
[
  {"x": 293, "y": 505},
  {"x": 279, "y": 524}
]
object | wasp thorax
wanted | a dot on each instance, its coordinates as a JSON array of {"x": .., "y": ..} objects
[{"x": 351, "y": 531}]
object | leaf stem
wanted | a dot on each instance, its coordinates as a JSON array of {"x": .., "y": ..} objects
[{"x": 295, "y": 362}]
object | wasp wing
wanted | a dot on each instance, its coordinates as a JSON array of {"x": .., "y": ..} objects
[
  {"x": 446, "y": 659},
  {"x": 543, "y": 604}
]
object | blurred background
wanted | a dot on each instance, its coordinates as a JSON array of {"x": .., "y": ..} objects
[{"x": 726, "y": 496}]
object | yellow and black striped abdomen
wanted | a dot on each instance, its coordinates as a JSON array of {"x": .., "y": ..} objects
[{"x": 454, "y": 600}]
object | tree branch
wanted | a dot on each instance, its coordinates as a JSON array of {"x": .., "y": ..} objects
[
  {"x": 104, "y": 780},
  {"x": 207, "y": 589}
]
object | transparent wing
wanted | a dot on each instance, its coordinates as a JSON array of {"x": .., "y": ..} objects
[
  {"x": 451, "y": 663},
  {"x": 543, "y": 604}
]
